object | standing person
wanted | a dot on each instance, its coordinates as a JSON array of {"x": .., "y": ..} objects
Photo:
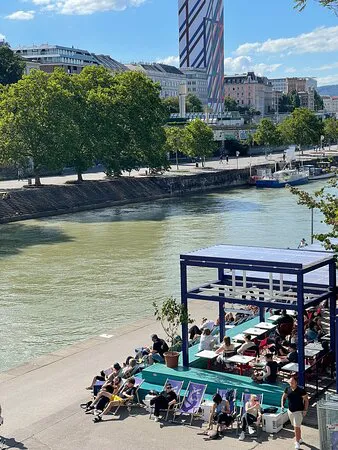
[
  {"x": 302, "y": 243},
  {"x": 165, "y": 400},
  {"x": 221, "y": 159},
  {"x": 298, "y": 403},
  {"x": 227, "y": 159}
]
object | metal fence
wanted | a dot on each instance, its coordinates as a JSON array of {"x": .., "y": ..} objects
[{"x": 327, "y": 410}]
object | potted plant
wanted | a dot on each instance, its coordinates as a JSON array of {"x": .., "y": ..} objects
[{"x": 171, "y": 314}]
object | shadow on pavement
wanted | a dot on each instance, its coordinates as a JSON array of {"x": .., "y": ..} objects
[{"x": 6, "y": 443}]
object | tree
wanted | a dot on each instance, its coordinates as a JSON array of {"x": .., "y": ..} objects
[
  {"x": 199, "y": 140},
  {"x": 319, "y": 104},
  {"x": 175, "y": 140},
  {"x": 267, "y": 133},
  {"x": 302, "y": 127},
  {"x": 193, "y": 104},
  {"x": 331, "y": 130},
  {"x": 171, "y": 104},
  {"x": 301, "y": 4},
  {"x": 326, "y": 201},
  {"x": 34, "y": 122},
  {"x": 11, "y": 66},
  {"x": 285, "y": 104},
  {"x": 230, "y": 104},
  {"x": 294, "y": 100}
]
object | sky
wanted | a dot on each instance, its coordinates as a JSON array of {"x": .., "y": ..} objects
[{"x": 267, "y": 36}]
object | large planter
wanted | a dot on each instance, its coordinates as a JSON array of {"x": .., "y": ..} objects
[{"x": 171, "y": 359}]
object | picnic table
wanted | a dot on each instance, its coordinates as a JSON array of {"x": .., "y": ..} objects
[
  {"x": 255, "y": 331},
  {"x": 210, "y": 355},
  {"x": 274, "y": 317},
  {"x": 239, "y": 337},
  {"x": 314, "y": 346},
  {"x": 241, "y": 360},
  {"x": 266, "y": 326},
  {"x": 293, "y": 367}
]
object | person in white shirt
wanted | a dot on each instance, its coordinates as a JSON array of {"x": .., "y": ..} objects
[
  {"x": 207, "y": 341},
  {"x": 247, "y": 345},
  {"x": 207, "y": 324}
]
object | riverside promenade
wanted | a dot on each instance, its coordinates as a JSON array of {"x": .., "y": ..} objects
[
  {"x": 41, "y": 402},
  {"x": 183, "y": 169}
]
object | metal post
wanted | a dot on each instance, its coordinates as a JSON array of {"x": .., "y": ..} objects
[
  {"x": 312, "y": 225},
  {"x": 333, "y": 289},
  {"x": 221, "y": 309},
  {"x": 184, "y": 302},
  {"x": 262, "y": 314},
  {"x": 177, "y": 159},
  {"x": 300, "y": 329},
  {"x": 336, "y": 353}
]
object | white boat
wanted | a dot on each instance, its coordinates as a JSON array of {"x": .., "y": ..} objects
[
  {"x": 281, "y": 178},
  {"x": 318, "y": 173}
]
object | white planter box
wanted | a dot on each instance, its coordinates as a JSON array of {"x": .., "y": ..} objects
[{"x": 273, "y": 423}]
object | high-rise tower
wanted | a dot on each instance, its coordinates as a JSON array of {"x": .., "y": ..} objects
[{"x": 201, "y": 35}]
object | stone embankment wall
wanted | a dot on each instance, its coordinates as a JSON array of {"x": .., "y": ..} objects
[{"x": 28, "y": 203}]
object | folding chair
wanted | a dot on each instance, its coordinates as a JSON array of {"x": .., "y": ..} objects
[
  {"x": 129, "y": 403},
  {"x": 245, "y": 399},
  {"x": 230, "y": 395},
  {"x": 192, "y": 400},
  {"x": 176, "y": 387}
]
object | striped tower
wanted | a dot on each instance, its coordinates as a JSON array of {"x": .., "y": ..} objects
[{"x": 201, "y": 35}]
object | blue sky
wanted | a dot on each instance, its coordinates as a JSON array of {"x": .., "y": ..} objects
[{"x": 267, "y": 36}]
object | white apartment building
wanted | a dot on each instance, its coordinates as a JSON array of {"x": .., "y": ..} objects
[
  {"x": 291, "y": 84},
  {"x": 169, "y": 77},
  {"x": 330, "y": 104}
]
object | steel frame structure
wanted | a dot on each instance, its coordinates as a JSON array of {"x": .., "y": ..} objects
[{"x": 273, "y": 279}]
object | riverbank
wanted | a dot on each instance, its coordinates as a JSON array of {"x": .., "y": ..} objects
[
  {"x": 41, "y": 401},
  {"x": 50, "y": 200}
]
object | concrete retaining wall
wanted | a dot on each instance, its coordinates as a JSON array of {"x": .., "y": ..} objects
[{"x": 33, "y": 202}]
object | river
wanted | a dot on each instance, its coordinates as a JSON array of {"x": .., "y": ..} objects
[{"x": 66, "y": 278}]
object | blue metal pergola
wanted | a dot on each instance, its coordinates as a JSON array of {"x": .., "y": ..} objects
[{"x": 266, "y": 278}]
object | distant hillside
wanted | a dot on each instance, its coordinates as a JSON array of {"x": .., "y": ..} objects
[{"x": 332, "y": 90}]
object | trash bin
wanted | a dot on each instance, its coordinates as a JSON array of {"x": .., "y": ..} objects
[{"x": 197, "y": 164}]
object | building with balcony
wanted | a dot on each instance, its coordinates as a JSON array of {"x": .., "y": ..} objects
[
  {"x": 330, "y": 104},
  {"x": 251, "y": 91},
  {"x": 293, "y": 84}
]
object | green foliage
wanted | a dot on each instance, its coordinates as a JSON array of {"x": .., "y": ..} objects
[
  {"x": 230, "y": 104},
  {"x": 319, "y": 104},
  {"x": 175, "y": 139},
  {"x": 326, "y": 201},
  {"x": 233, "y": 145},
  {"x": 301, "y": 4},
  {"x": 11, "y": 66},
  {"x": 267, "y": 133},
  {"x": 331, "y": 129},
  {"x": 171, "y": 104},
  {"x": 302, "y": 127},
  {"x": 172, "y": 315},
  {"x": 199, "y": 139},
  {"x": 193, "y": 104},
  {"x": 59, "y": 120}
]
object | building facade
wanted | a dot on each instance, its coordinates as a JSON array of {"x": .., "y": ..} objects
[
  {"x": 197, "y": 83},
  {"x": 293, "y": 84},
  {"x": 250, "y": 90},
  {"x": 330, "y": 103},
  {"x": 70, "y": 59},
  {"x": 169, "y": 77},
  {"x": 201, "y": 44},
  {"x": 307, "y": 99}
]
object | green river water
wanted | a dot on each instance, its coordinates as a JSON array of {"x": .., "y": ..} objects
[{"x": 69, "y": 277}]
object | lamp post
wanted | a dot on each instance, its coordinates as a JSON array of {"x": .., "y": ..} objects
[{"x": 312, "y": 209}]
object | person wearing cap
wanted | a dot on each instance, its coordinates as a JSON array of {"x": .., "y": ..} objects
[
  {"x": 165, "y": 400},
  {"x": 298, "y": 404}
]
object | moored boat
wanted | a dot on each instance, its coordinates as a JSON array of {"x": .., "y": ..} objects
[
  {"x": 281, "y": 178},
  {"x": 319, "y": 173}
]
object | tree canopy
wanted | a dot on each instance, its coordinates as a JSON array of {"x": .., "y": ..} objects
[
  {"x": 301, "y": 4},
  {"x": 302, "y": 127},
  {"x": 11, "y": 66},
  {"x": 267, "y": 133},
  {"x": 199, "y": 139},
  {"x": 193, "y": 104},
  {"x": 331, "y": 129}
]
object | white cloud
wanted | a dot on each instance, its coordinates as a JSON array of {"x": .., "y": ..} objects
[
  {"x": 170, "y": 60},
  {"x": 245, "y": 63},
  {"x": 331, "y": 79},
  {"x": 21, "y": 15},
  {"x": 324, "y": 67},
  {"x": 2, "y": 37},
  {"x": 290, "y": 70},
  {"x": 323, "y": 39},
  {"x": 86, "y": 7}
]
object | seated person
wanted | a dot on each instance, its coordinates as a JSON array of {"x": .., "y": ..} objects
[
  {"x": 225, "y": 350},
  {"x": 278, "y": 348},
  {"x": 207, "y": 341},
  {"x": 107, "y": 390},
  {"x": 268, "y": 373},
  {"x": 159, "y": 348},
  {"x": 130, "y": 369},
  {"x": 220, "y": 413},
  {"x": 109, "y": 374},
  {"x": 291, "y": 357},
  {"x": 229, "y": 318},
  {"x": 165, "y": 400},
  {"x": 253, "y": 414},
  {"x": 248, "y": 345},
  {"x": 126, "y": 394},
  {"x": 311, "y": 334},
  {"x": 284, "y": 318},
  {"x": 207, "y": 324}
]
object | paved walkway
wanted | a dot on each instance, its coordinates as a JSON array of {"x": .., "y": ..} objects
[
  {"x": 184, "y": 169},
  {"x": 41, "y": 402}
]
